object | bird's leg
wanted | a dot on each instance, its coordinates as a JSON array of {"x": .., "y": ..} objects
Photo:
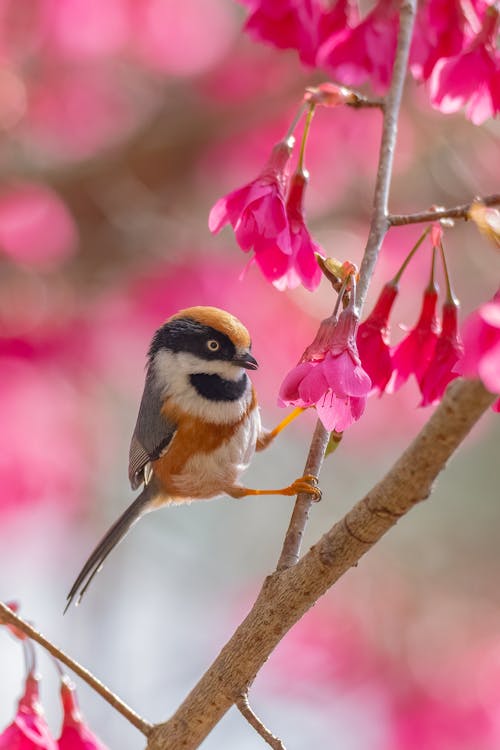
[
  {"x": 267, "y": 436},
  {"x": 308, "y": 483}
]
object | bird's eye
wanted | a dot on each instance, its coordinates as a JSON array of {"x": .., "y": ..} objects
[{"x": 213, "y": 345}]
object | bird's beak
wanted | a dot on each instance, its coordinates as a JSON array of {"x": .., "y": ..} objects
[{"x": 246, "y": 360}]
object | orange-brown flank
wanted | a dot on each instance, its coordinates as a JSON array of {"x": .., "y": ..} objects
[
  {"x": 220, "y": 320},
  {"x": 193, "y": 436}
]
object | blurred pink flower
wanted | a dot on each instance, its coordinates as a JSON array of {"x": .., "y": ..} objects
[
  {"x": 440, "y": 31},
  {"x": 36, "y": 228},
  {"x": 366, "y": 51},
  {"x": 182, "y": 42},
  {"x": 29, "y": 729},
  {"x": 14, "y": 606},
  {"x": 471, "y": 78},
  {"x": 414, "y": 353},
  {"x": 75, "y": 735},
  {"x": 448, "y": 350},
  {"x": 258, "y": 216},
  {"x": 437, "y": 722},
  {"x": 303, "y": 267},
  {"x": 81, "y": 29},
  {"x": 329, "y": 375},
  {"x": 56, "y": 445},
  {"x": 74, "y": 113},
  {"x": 481, "y": 334},
  {"x": 373, "y": 339},
  {"x": 296, "y": 24}
]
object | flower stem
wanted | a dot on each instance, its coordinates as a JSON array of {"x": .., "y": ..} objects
[
  {"x": 295, "y": 120},
  {"x": 431, "y": 287},
  {"x": 341, "y": 296},
  {"x": 450, "y": 295},
  {"x": 29, "y": 656},
  {"x": 397, "y": 278},
  {"x": 300, "y": 165}
]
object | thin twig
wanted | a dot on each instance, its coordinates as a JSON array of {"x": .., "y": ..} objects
[
  {"x": 293, "y": 539},
  {"x": 362, "y": 102},
  {"x": 244, "y": 707},
  {"x": 378, "y": 228},
  {"x": 7, "y": 616},
  {"x": 380, "y": 223},
  {"x": 455, "y": 212}
]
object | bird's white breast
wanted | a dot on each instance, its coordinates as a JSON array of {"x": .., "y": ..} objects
[{"x": 208, "y": 474}]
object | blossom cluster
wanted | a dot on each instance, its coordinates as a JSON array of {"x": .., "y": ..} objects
[
  {"x": 29, "y": 729},
  {"x": 454, "y": 48},
  {"x": 329, "y": 374},
  {"x": 433, "y": 351},
  {"x": 267, "y": 216},
  {"x": 429, "y": 351}
]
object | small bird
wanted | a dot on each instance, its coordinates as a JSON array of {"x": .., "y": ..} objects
[{"x": 198, "y": 424}]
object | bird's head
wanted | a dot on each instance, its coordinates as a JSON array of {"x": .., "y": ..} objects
[{"x": 202, "y": 353}]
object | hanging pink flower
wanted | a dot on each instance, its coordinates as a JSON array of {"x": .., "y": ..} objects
[
  {"x": 302, "y": 265},
  {"x": 413, "y": 355},
  {"x": 29, "y": 730},
  {"x": 366, "y": 51},
  {"x": 258, "y": 216},
  {"x": 482, "y": 346},
  {"x": 302, "y": 25},
  {"x": 373, "y": 339},
  {"x": 329, "y": 375},
  {"x": 75, "y": 735},
  {"x": 441, "y": 30},
  {"x": 448, "y": 350},
  {"x": 470, "y": 78}
]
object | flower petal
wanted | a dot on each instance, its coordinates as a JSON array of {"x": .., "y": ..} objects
[
  {"x": 344, "y": 377},
  {"x": 314, "y": 385},
  {"x": 334, "y": 412},
  {"x": 289, "y": 391}
]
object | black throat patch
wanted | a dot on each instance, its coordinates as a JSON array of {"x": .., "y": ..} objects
[{"x": 215, "y": 388}]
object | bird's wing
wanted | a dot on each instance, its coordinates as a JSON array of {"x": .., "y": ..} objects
[{"x": 152, "y": 435}]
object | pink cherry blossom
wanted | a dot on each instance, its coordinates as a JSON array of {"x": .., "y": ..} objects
[
  {"x": 302, "y": 25},
  {"x": 302, "y": 267},
  {"x": 471, "y": 78},
  {"x": 75, "y": 735},
  {"x": 448, "y": 350},
  {"x": 482, "y": 346},
  {"x": 36, "y": 227},
  {"x": 373, "y": 339},
  {"x": 414, "y": 353},
  {"x": 329, "y": 375},
  {"x": 440, "y": 31},
  {"x": 86, "y": 29},
  {"x": 29, "y": 730},
  {"x": 257, "y": 214},
  {"x": 183, "y": 41},
  {"x": 365, "y": 51}
]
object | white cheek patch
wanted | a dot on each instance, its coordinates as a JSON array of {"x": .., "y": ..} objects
[{"x": 172, "y": 371}]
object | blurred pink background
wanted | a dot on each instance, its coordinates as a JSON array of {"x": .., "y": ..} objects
[{"x": 122, "y": 123}]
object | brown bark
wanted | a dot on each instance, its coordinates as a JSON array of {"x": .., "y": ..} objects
[{"x": 288, "y": 594}]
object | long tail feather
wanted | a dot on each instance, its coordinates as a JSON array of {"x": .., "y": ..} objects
[{"x": 112, "y": 537}]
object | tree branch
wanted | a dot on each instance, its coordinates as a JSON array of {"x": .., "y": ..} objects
[
  {"x": 456, "y": 212},
  {"x": 287, "y": 595},
  {"x": 378, "y": 228},
  {"x": 380, "y": 223},
  {"x": 254, "y": 721},
  {"x": 293, "y": 537},
  {"x": 8, "y": 617}
]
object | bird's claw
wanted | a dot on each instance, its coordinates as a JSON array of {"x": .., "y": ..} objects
[{"x": 308, "y": 484}]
